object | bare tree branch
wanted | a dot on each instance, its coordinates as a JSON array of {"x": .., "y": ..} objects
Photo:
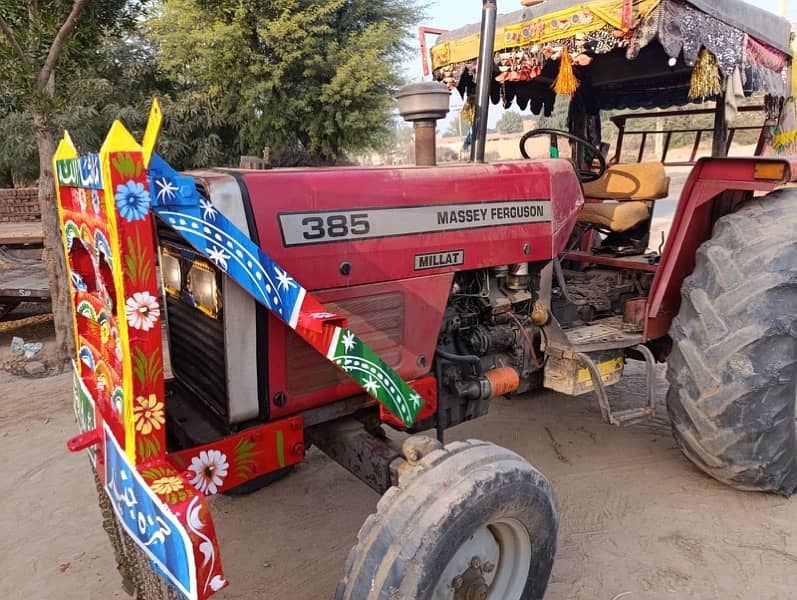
[
  {"x": 33, "y": 15},
  {"x": 58, "y": 43},
  {"x": 13, "y": 41}
]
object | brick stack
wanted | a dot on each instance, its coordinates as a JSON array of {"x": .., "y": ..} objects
[{"x": 19, "y": 205}]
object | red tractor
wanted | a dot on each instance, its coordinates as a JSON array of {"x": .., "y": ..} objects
[{"x": 469, "y": 281}]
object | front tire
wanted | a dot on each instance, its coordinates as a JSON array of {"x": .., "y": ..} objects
[
  {"x": 472, "y": 518},
  {"x": 733, "y": 369}
]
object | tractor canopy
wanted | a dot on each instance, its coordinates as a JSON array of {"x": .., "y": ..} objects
[{"x": 621, "y": 54}]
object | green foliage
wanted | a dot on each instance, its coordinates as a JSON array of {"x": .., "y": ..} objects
[
  {"x": 510, "y": 122},
  {"x": 308, "y": 77},
  {"x": 312, "y": 80},
  {"x": 33, "y": 26}
]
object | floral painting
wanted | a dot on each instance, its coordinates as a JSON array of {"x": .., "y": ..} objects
[
  {"x": 132, "y": 200},
  {"x": 209, "y": 469},
  {"x": 142, "y": 311}
]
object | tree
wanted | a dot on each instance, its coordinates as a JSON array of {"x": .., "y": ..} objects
[
  {"x": 510, "y": 122},
  {"x": 39, "y": 38},
  {"x": 312, "y": 78}
]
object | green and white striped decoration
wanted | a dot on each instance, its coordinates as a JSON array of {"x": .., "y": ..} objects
[{"x": 363, "y": 365}]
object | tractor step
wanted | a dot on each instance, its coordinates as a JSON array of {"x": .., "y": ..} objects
[
  {"x": 606, "y": 334},
  {"x": 629, "y": 416},
  {"x": 591, "y": 358}
]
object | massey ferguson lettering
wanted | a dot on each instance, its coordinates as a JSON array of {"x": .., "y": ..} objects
[
  {"x": 301, "y": 228},
  {"x": 475, "y": 215}
]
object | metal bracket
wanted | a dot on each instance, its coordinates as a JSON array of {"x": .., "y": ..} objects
[{"x": 632, "y": 415}]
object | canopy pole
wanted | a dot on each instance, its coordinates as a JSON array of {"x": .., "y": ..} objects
[
  {"x": 483, "y": 80},
  {"x": 719, "y": 148}
]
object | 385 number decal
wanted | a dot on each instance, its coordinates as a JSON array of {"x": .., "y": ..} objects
[{"x": 335, "y": 226}]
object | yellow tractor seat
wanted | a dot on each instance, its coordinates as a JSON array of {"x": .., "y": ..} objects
[
  {"x": 615, "y": 216},
  {"x": 634, "y": 181},
  {"x": 632, "y": 187}
]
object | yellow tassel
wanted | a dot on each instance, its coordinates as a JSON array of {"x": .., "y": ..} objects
[
  {"x": 706, "y": 82},
  {"x": 566, "y": 82},
  {"x": 469, "y": 109}
]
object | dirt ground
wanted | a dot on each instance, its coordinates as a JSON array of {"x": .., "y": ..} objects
[{"x": 638, "y": 521}]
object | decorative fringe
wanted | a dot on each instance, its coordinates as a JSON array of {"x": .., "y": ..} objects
[
  {"x": 469, "y": 110},
  {"x": 566, "y": 82},
  {"x": 706, "y": 81},
  {"x": 785, "y": 134}
]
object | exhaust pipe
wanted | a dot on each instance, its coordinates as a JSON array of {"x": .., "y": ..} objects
[
  {"x": 423, "y": 104},
  {"x": 483, "y": 79}
]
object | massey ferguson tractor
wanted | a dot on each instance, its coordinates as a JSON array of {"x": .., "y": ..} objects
[{"x": 367, "y": 310}]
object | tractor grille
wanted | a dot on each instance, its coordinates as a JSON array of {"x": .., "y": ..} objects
[
  {"x": 196, "y": 346},
  {"x": 196, "y": 340}
]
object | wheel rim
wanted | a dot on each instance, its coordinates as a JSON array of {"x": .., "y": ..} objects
[{"x": 492, "y": 564}]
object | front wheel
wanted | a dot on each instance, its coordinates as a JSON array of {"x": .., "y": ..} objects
[
  {"x": 471, "y": 521},
  {"x": 733, "y": 369}
]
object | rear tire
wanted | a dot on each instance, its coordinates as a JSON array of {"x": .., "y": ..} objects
[
  {"x": 733, "y": 368},
  {"x": 469, "y": 499}
]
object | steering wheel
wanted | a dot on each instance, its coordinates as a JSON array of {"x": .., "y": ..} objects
[{"x": 585, "y": 175}]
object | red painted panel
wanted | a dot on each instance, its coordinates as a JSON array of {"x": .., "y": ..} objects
[
  {"x": 403, "y": 326},
  {"x": 236, "y": 459},
  {"x": 693, "y": 223},
  {"x": 427, "y": 388},
  {"x": 389, "y": 259}
]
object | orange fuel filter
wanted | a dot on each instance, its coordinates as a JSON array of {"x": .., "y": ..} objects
[{"x": 504, "y": 380}]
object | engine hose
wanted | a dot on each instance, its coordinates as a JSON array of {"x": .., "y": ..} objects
[
  {"x": 467, "y": 359},
  {"x": 534, "y": 359}
]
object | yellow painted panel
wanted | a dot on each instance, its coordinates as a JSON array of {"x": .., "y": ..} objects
[
  {"x": 562, "y": 25},
  {"x": 151, "y": 132},
  {"x": 607, "y": 368},
  {"x": 119, "y": 139}
]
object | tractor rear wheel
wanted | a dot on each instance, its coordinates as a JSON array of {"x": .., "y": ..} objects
[
  {"x": 472, "y": 520},
  {"x": 733, "y": 368}
]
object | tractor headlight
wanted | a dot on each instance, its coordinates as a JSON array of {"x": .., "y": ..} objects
[
  {"x": 172, "y": 273},
  {"x": 201, "y": 287}
]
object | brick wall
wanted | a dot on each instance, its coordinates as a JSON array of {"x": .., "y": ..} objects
[{"x": 20, "y": 204}]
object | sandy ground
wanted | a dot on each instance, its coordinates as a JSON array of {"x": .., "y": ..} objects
[{"x": 638, "y": 521}]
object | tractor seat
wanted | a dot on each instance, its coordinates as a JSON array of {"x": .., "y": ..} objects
[{"x": 632, "y": 188}]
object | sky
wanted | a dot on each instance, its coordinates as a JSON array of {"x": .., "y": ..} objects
[{"x": 451, "y": 14}]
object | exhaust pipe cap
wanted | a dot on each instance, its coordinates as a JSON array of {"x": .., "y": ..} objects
[{"x": 423, "y": 101}]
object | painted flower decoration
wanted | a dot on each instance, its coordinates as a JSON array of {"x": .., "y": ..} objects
[
  {"x": 148, "y": 414},
  {"x": 105, "y": 332},
  {"x": 83, "y": 197},
  {"x": 166, "y": 189},
  {"x": 210, "y": 469},
  {"x": 142, "y": 310},
  {"x": 132, "y": 200},
  {"x": 95, "y": 201},
  {"x": 218, "y": 256},
  {"x": 167, "y": 485}
]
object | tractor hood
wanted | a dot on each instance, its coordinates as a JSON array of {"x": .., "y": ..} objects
[{"x": 339, "y": 227}]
